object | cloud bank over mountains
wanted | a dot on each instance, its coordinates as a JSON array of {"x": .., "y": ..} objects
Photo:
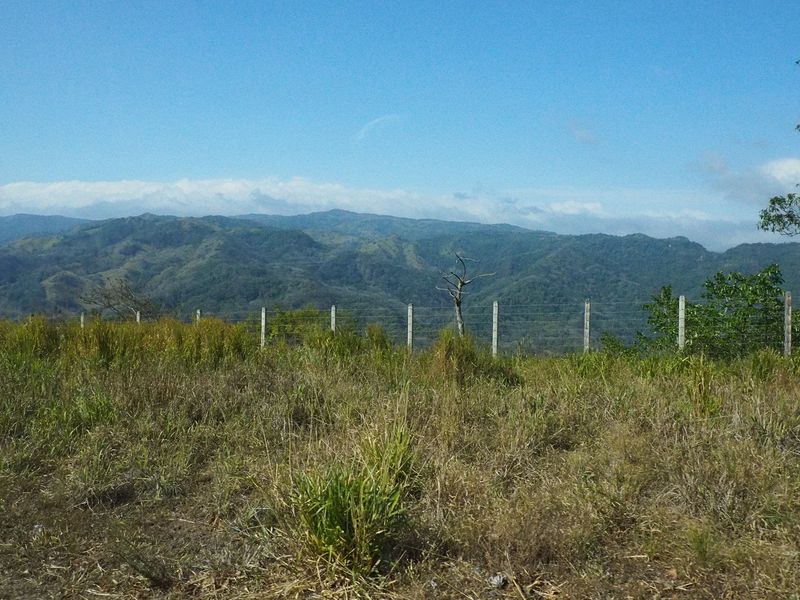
[{"x": 718, "y": 220}]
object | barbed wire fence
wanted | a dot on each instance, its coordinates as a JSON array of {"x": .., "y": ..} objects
[{"x": 531, "y": 329}]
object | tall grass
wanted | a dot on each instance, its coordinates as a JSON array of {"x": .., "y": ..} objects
[{"x": 185, "y": 459}]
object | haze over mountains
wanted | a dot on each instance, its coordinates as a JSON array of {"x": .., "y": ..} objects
[{"x": 233, "y": 266}]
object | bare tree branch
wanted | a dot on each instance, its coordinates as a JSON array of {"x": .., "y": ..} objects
[
  {"x": 455, "y": 287},
  {"x": 119, "y": 298}
]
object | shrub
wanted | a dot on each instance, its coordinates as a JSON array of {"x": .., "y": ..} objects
[{"x": 740, "y": 314}]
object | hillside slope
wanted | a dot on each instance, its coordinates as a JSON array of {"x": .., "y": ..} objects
[
  {"x": 233, "y": 266},
  {"x": 16, "y": 227}
]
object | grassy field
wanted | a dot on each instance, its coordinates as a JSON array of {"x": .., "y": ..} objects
[{"x": 171, "y": 460}]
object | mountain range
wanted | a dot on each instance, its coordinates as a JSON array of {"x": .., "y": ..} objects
[{"x": 367, "y": 263}]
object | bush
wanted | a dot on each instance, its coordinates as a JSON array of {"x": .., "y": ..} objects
[{"x": 740, "y": 314}]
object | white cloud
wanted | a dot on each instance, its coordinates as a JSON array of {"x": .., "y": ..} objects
[
  {"x": 706, "y": 217},
  {"x": 786, "y": 171},
  {"x": 750, "y": 185},
  {"x": 375, "y": 124},
  {"x": 571, "y": 207}
]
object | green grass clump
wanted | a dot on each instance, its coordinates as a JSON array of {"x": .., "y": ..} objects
[
  {"x": 352, "y": 512},
  {"x": 459, "y": 359}
]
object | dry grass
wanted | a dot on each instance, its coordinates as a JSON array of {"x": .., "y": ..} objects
[{"x": 173, "y": 461}]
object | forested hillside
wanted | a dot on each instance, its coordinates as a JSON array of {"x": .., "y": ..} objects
[
  {"x": 233, "y": 266},
  {"x": 17, "y": 227}
]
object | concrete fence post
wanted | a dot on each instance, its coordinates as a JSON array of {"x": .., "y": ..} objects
[
  {"x": 495, "y": 320},
  {"x": 263, "y": 326},
  {"x": 681, "y": 322},
  {"x": 410, "y": 332},
  {"x": 587, "y": 317},
  {"x": 787, "y": 324}
]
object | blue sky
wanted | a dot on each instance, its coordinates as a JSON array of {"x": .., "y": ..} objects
[{"x": 670, "y": 118}]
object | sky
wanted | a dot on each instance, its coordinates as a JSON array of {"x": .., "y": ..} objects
[{"x": 666, "y": 118}]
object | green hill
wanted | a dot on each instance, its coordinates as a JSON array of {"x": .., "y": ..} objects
[{"x": 370, "y": 265}]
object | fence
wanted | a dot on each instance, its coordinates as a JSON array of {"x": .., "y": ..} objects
[{"x": 524, "y": 328}]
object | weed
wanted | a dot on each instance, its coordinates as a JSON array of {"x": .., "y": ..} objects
[
  {"x": 763, "y": 363},
  {"x": 702, "y": 543},
  {"x": 378, "y": 338},
  {"x": 700, "y": 390}
]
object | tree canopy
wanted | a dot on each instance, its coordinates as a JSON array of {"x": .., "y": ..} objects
[
  {"x": 739, "y": 314},
  {"x": 782, "y": 215}
]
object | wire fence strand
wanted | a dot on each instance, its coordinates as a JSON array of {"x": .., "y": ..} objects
[{"x": 543, "y": 328}]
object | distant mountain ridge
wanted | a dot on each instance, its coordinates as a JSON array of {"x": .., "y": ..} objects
[
  {"x": 233, "y": 266},
  {"x": 353, "y": 224},
  {"x": 19, "y": 226}
]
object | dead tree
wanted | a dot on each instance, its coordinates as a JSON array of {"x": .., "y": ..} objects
[
  {"x": 456, "y": 282},
  {"x": 118, "y": 297}
]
